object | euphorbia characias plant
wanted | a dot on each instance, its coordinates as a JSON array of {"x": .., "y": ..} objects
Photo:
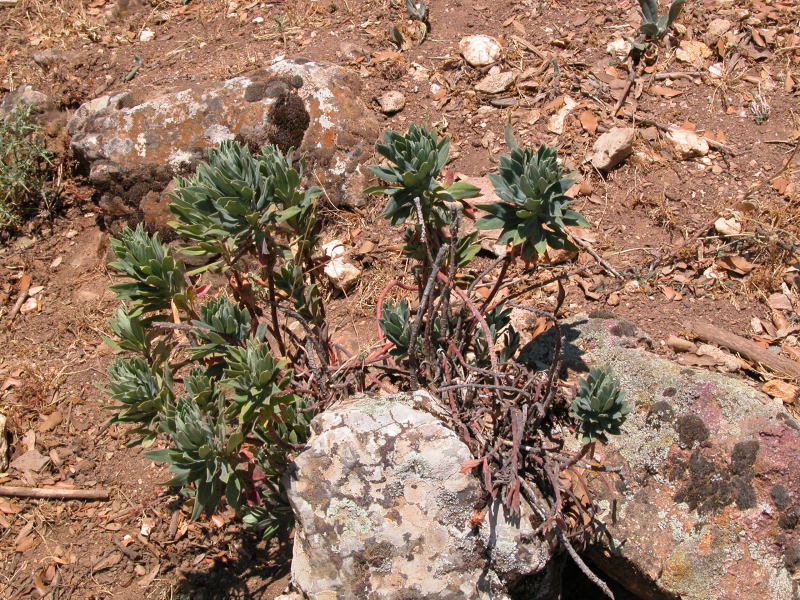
[{"x": 231, "y": 377}]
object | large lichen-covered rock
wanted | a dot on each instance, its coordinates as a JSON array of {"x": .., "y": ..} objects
[
  {"x": 383, "y": 511},
  {"x": 135, "y": 141},
  {"x": 708, "y": 504}
]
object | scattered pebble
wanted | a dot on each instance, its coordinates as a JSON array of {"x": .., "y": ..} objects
[
  {"x": 391, "y": 102},
  {"x": 480, "y": 50},
  {"x": 612, "y": 148},
  {"x": 147, "y": 35},
  {"x": 495, "y": 83},
  {"x": 686, "y": 143},
  {"x": 342, "y": 273}
]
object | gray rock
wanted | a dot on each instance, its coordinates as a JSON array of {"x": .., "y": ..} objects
[
  {"x": 383, "y": 511},
  {"x": 611, "y": 148},
  {"x": 391, "y": 102},
  {"x": 135, "y": 141},
  {"x": 495, "y": 83},
  {"x": 708, "y": 501},
  {"x": 26, "y": 94}
]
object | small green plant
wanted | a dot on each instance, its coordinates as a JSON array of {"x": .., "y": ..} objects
[
  {"x": 416, "y": 160},
  {"x": 216, "y": 374},
  {"x": 599, "y": 406},
  {"x": 24, "y": 168},
  {"x": 534, "y": 213},
  {"x": 655, "y": 26},
  {"x": 395, "y": 322}
]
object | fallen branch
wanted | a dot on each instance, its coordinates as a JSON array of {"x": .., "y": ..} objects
[
  {"x": 600, "y": 260},
  {"x": 677, "y": 75},
  {"x": 748, "y": 349},
  {"x": 53, "y": 493},
  {"x": 662, "y": 127},
  {"x": 24, "y": 285}
]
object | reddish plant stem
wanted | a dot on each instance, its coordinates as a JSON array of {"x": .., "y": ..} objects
[{"x": 479, "y": 317}]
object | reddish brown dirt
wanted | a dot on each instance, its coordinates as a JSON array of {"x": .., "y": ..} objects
[{"x": 652, "y": 218}]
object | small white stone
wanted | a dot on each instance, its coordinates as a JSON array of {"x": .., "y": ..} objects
[
  {"x": 480, "y": 50},
  {"x": 147, "y": 35},
  {"x": 494, "y": 83},
  {"x": 612, "y": 148},
  {"x": 258, "y": 20},
  {"x": 686, "y": 143},
  {"x": 391, "y": 102},
  {"x": 342, "y": 273}
]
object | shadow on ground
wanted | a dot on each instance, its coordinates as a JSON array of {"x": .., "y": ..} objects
[{"x": 260, "y": 572}]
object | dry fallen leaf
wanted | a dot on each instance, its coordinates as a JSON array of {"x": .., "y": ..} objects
[
  {"x": 9, "y": 508},
  {"x": 736, "y": 264},
  {"x": 588, "y": 121},
  {"x": 783, "y": 390},
  {"x": 26, "y": 543},
  {"x": 664, "y": 91}
]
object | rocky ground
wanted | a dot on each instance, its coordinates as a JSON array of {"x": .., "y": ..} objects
[{"x": 698, "y": 216}]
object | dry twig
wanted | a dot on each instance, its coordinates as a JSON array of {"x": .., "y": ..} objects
[{"x": 53, "y": 493}]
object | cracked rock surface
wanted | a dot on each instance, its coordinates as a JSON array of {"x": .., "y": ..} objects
[
  {"x": 708, "y": 505},
  {"x": 135, "y": 141},
  {"x": 383, "y": 511}
]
